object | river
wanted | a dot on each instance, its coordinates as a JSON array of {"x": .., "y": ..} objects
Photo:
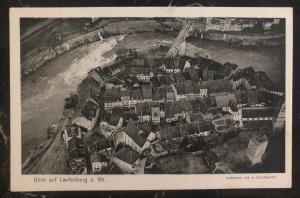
[
  {"x": 270, "y": 59},
  {"x": 44, "y": 91}
]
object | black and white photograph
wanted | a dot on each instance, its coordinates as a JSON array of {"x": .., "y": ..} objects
[{"x": 153, "y": 96}]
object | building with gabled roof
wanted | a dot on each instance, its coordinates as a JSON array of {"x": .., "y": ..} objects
[
  {"x": 258, "y": 112},
  {"x": 131, "y": 136},
  {"x": 178, "y": 77},
  {"x": 170, "y": 133},
  {"x": 216, "y": 86},
  {"x": 88, "y": 94},
  {"x": 129, "y": 161},
  {"x": 188, "y": 90},
  {"x": 143, "y": 111},
  {"x": 147, "y": 92},
  {"x": 142, "y": 74},
  {"x": 224, "y": 99},
  {"x": 251, "y": 98},
  {"x": 193, "y": 74},
  {"x": 155, "y": 114},
  {"x": 256, "y": 148},
  {"x": 112, "y": 98},
  {"x": 125, "y": 97},
  {"x": 169, "y": 65},
  {"x": 177, "y": 109},
  {"x": 133, "y": 131},
  {"x": 184, "y": 87},
  {"x": 258, "y": 117},
  {"x": 163, "y": 93},
  {"x": 136, "y": 96},
  {"x": 176, "y": 133}
]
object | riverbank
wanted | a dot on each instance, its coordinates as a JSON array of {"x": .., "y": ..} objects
[
  {"x": 44, "y": 91},
  {"x": 50, "y": 157},
  {"x": 40, "y": 55},
  {"x": 246, "y": 40},
  {"x": 109, "y": 28}
]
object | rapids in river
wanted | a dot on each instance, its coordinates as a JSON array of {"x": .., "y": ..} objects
[{"x": 44, "y": 91}]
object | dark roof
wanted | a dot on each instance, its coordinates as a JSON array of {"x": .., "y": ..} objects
[
  {"x": 111, "y": 70},
  {"x": 175, "y": 107},
  {"x": 139, "y": 62},
  {"x": 194, "y": 74},
  {"x": 136, "y": 94},
  {"x": 270, "y": 99},
  {"x": 207, "y": 74},
  {"x": 199, "y": 105},
  {"x": 169, "y": 62},
  {"x": 186, "y": 75},
  {"x": 127, "y": 155},
  {"x": 258, "y": 112},
  {"x": 130, "y": 116},
  {"x": 187, "y": 87},
  {"x": 132, "y": 131},
  {"x": 164, "y": 80},
  {"x": 115, "y": 81},
  {"x": 107, "y": 71},
  {"x": 147, "y": 92},
  {"x": 101, "y": 142},
  {"x": 116, "y": 114},
  {"x": 87, "y": 90},
  {"x": 250, "y": 97},
  {"x": 72, "y": 148},
  {"x": 112, "y": 94},
  {"x": 155, "y": 81},
  {"x": 261, "y": 79},
  {"x": 184, "y": 87},
  {"x": 170, "y": 78},
  {"x": 143, "y": 109},
  {"x": 196, "y": 127},
  {"x": 197, "y": 117},
  {"x": 170, "y": 132},
  {"x": 178, "y": 77},
  {"x": 125, "y": 92},
  {"x": 215, "y": 86},
  {"x": 141, "y": 70},
  {"x": 258, "y": 124},
  {"x": 161, "y": 92},
  {"x": 242, "y": 73}
]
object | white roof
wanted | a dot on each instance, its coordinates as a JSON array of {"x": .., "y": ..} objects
[{"x": 82, "y": 122}]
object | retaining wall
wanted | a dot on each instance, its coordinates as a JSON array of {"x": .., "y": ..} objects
[{"x": 269, "y": 40}]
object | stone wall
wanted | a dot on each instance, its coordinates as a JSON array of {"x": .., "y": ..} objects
[
  {"x": 32, "y": 63},
  {"x": 263, "y": 40}
]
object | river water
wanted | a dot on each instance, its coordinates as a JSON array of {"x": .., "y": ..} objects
[
  {"x": 44, "y": 91},
  {"x": 269, "y": 59}
]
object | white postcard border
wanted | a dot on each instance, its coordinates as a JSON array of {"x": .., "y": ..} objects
[{"x": 21, "y": 182}]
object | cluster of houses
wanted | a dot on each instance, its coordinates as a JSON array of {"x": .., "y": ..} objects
[
  {"x": 237, "y": 24},
  {"x": 146, "y": 107}
]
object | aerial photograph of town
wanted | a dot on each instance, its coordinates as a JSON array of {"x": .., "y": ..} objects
[{"x": 201, "y": 95}]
